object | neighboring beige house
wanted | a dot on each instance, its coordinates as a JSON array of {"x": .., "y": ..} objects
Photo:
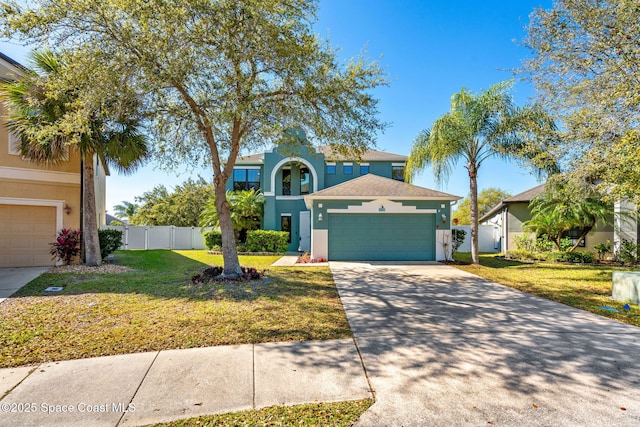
[
  {"x": 36, "y": 201},
  {"x": 510, "y": 213}
]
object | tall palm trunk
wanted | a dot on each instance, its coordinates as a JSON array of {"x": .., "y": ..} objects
[
  {"x": 473, "y": 184},
  {"x": 229, "y": 251},
  {"x": 89, "y": 215}
]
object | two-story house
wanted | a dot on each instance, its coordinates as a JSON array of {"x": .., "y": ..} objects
[
  {"x": 37, "y": 200},
  {"x": 347, "y": 208}
]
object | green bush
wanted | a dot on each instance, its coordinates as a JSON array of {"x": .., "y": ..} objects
[
  {"x": 267, "y": 241},
  {"x": 603, "y": 249},
  {"x": 628, "y": 252},
  {"x": 523, "y": 242},
  {"x": 110, "y": 241},
  {"x": 457, "y": 239},
  {"x": 576, "y": 257},
  {"x": 521, "y": 254},
  {"x": 212, "y": 239},
  {"x": 543, "y": 244},
  {"x": 554, "y": 256}
]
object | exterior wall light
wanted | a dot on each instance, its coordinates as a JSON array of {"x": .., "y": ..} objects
[
  {"x": 67, "y": 209},
  {"x": 444, "y": 219},
  {"x": 319, "y": 217}
]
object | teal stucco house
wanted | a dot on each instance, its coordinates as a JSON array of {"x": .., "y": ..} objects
[{"x": 343, "y": 208}]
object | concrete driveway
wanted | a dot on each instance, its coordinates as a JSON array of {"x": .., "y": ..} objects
[
  {"x": 13, "y": 278},
  {"x": 444, "y": 347}
]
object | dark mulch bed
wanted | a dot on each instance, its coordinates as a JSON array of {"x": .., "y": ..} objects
[{"x": 455, "y": 262}]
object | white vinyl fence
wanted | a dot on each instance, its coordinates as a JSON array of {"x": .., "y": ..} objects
[
  {"x": 488, "y": 238},
  {"x": 160, "y": 237}
]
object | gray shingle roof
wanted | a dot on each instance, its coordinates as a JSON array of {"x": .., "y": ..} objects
[
  {"x": 525, "y": 196},
  {"x": 369, "y": 155},
  {"x": 251, "y": 159},
  {"x": 330, "y": 155},
  {"x": 374, "y": 186}
]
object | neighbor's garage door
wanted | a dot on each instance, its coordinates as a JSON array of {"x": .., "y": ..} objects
[
  {"x": 382, "y": 237},
  {"x": 25, "y": 234}
]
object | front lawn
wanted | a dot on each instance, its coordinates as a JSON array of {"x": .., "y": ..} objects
[
  {"x": 587, "y": 287},
  {"x": 314, "y": 414},
  {"x": 155, "y": 307}
]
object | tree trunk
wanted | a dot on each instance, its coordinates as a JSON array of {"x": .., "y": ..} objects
[
  {"x": 229, "y": 251},
  {"x": 585, "y": 231},
  {"x": 89, "y": 216},
  {"x": 473, "y": 184}
]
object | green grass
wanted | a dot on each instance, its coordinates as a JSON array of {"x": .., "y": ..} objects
[
  {"x": 156, "y": 307},
  {"x": 317, "y": 414},
  {"x": 582, "y": 286}
]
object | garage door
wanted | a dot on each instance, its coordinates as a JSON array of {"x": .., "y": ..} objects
[
  {"x": 382, "y": 237},
  {"x": 25, "y": 234}
]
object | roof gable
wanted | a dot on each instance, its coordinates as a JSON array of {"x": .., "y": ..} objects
[
  {"x": 524, "y": 197},
  {"x": 374, "y": 186}
]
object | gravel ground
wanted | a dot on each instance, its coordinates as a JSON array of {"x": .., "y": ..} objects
[{"x": 85, "y": 269}]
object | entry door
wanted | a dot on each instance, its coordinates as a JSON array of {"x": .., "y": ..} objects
[{"x": 305, "y": 231}]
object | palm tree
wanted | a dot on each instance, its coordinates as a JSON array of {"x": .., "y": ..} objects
[
  {"x": 35, "y": 117},
  {"x": 559, "y": 210},
  {"x": 479, "y": 126},
  {"x": 246, "y": 208},
  {"x": 126, "y": 210}
]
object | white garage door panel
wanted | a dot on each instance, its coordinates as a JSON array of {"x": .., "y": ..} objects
[{"x": 26, "y": 233}]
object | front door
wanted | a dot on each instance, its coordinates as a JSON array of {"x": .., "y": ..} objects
[{"x": 305, "y": 231}]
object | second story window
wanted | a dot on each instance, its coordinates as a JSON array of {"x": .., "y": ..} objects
[
  {"x": 364, "y": 169},
  {"x": 347, "y": 169},
  {"x": 397, "y": 172},
  {"x": 286, "y": 182},
  {"x": 246, "y": 179},
  {"x": 331, "y": 169},
  {"x": 304, "y": 181}
]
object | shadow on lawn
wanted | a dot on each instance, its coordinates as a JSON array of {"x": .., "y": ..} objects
[{"x": 167, "y": 274}]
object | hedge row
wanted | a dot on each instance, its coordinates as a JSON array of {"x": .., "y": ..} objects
[{"x": 257, "y": 241}]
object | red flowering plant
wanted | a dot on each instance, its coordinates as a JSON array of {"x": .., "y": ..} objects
[{"x": 66, "y": 246}]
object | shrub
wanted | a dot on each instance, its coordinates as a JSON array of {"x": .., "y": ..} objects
[
  {"x": 602, "y": 249},
  {"x": 628, "y": 251},
  {"x": 576, "y": 257},
  {"x": 212, "y": 239},
  {"x": 267, "y": 241},
  {"x": 524, "y": 242},
  {"x": 521, "y": 254},
  {"x": 457, "y": 239},
  {"x": 554, "y": 256},
  {"x": 543, "y": 244},
  {"x": 66, "y": 246},
  {"x": 110, "y": 241},
  {"x": 565, "y": 244}
]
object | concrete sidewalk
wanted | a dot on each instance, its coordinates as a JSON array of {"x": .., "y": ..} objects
[
  {"x": 13, "y": 278},
  {"x": 154, "y": 387}
]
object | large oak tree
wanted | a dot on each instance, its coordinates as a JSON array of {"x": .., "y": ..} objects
[
  {"x": 219, "y": 76},
  {"x": 586, "y": 68}
]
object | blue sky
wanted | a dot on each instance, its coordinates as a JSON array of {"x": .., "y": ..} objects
[{"x": 430, "y": 49}]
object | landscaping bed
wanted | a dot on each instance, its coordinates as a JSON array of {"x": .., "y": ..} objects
[
  {"x": 156, "y": 305},
  {"x": 587, "y": 287}
]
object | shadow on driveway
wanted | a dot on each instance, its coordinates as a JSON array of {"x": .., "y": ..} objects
[{"x": 445, "y": 347}]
